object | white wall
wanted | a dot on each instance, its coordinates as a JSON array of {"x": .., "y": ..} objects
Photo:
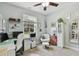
[
  {"x": 63, "y": 13},
  {"x": 8, "y": 10}
]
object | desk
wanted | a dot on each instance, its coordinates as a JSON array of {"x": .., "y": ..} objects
[{"x": 9, "y": 48}]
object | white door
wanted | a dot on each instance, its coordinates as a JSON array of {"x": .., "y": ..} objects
[{"x": 60, "y": 35}]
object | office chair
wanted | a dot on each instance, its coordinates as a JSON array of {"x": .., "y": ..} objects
[
  {"x": 20, "y": 44},
  {"x": 45, "y": 40}
]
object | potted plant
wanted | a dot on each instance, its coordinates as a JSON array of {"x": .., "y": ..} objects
[{"x": 60, "y": 20}]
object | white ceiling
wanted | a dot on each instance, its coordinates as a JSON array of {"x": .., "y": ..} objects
[{"x": 39, "y": 9}]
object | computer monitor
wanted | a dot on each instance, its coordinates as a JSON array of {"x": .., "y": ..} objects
[
  {"x": 33, "y": 35},
  {"x": 3, "y": 37},
  {"x": 15, "y": 34}
]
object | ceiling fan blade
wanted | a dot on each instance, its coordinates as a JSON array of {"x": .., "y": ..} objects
[
  {"x": 37, "y": 4},
  {"x": 45, "y": 8},
  {"x": 53, "y": 4}
]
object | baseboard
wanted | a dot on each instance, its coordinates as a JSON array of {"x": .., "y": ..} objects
[{"x": 77, "y": 49}]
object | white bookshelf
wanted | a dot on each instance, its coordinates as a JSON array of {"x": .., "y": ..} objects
[
  {"x": 29, "y": 23},
  {"x": 29, "y": 26},
  {"x": 74, "y": 31}
]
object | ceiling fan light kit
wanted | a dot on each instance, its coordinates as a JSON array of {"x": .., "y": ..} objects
[{"x": 46, "y": 4}]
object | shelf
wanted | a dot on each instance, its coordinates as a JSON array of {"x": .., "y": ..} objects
[
  {"x": 74, "y": 40},
  {"x": 74, "y": 32},
  {"x": 29, "y": 27}
]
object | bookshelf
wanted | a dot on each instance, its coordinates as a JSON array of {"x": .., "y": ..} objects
[
  {"x": 29, "y": 23},
  {"x": 74, "y": 31}
]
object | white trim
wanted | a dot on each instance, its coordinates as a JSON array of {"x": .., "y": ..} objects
[{"x": 77, "y": 49}]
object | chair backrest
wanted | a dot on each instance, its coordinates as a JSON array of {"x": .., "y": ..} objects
[
  {"x": 45, "y": 38},
  {"x": 19, "y": 41},
  {"x": 46, "y": 35}
]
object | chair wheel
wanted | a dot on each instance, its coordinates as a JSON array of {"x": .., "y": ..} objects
[{"x": 47, "y": 47}]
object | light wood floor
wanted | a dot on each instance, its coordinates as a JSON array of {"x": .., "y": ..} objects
[{"x": 52, "y": 51}]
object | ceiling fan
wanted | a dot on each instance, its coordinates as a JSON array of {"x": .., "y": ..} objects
[{"x": 46, "y": 4}]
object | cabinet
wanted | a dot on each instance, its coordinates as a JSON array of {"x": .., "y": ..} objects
[
  {"x": 29, "y": 43},
  {"x": 26, "y": 44}
]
